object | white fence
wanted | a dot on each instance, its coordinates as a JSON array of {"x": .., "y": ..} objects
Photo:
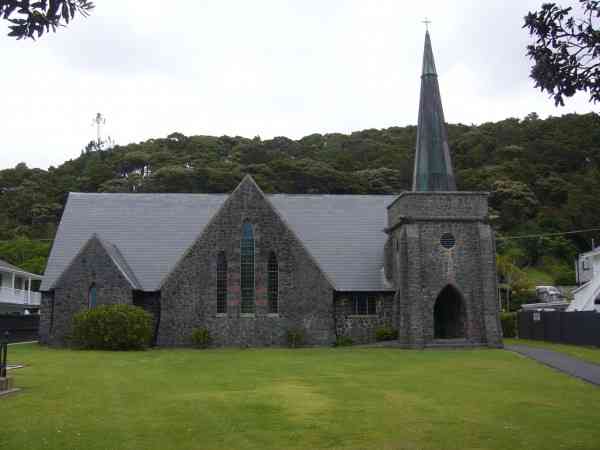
[{"x": 19, "y": 296}]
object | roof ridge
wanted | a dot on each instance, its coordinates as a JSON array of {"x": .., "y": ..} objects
[{"x": 119, "y": 261}]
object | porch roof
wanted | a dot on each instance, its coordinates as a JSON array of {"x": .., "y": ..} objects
[{"x": 7, "y": 267}]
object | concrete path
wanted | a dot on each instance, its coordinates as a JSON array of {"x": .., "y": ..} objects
[{"x": 572, "y": 366}]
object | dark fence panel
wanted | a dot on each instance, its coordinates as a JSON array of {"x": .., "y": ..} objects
[
  {"x": 552, "y": 324},
  {"x": 20, "y": 328},
  {"x": 577, "y": 328}
]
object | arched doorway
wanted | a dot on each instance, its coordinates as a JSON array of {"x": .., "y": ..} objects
[{"x": 449, "y": 314}]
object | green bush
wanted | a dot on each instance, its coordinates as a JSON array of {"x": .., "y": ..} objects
[
  {"x": 201, "y": 338},
  {"x": 295, "y": 338},
  {"x": 343, "y": 341},
  {"x": 386, "y": 334},
  {"x": 565, "y": 278},
  {"x": 509, "y": 324},
  {"x": 113, "y": 327}
]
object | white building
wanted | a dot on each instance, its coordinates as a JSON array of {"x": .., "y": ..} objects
[
  {"x": 587, "y": 295},
  {"x": 16, "y": 294}
]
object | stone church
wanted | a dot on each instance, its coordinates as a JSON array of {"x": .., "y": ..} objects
[{"x": 251, "y": 267}]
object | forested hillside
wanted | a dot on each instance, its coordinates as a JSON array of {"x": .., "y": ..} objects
[{"x": 543, "y": 175}]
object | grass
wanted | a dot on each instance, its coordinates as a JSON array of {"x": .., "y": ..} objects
[
  {"x": 346, "y": 398},
  {"x": 539, "y": 277},
  {"x": 591, "y": 354}
]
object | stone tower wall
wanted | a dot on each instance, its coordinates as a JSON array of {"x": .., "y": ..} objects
[{"x": 422, "y": 266}]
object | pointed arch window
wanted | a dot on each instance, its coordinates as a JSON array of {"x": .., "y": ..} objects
[
  {"x": 247, "y": 268},
  {"x": 221, "y": 283},
  {"x": 273, "y": 285},
  {"x": 92, "y": 296}
]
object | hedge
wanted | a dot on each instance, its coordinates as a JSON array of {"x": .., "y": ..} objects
[
  {"x": 509, "y": 324},
  {"x": 113, "y": 327}
]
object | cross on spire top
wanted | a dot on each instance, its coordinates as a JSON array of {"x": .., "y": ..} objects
[{"x": 426, "y": 22}]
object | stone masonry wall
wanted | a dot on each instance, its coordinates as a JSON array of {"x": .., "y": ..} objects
[
  {"x": 91, "y": 265},
  {"x": 361, "y": 328},
  {"x": 444, "y": 205},
  {"x": 423, "y": 267},
  {"x": 188, "y": 296}
]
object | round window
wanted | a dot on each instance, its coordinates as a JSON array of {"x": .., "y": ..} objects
[{"x": 447, "y": 240}]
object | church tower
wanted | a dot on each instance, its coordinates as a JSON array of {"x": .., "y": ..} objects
[{"x": 441, "y": 250}]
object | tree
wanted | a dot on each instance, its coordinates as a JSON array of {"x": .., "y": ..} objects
[
  {"x": 515, "y": 201},
  {"x": 513, "y": 279},
  {"x": 31, "y": 19},
  {"x": 566, "y": 53}
]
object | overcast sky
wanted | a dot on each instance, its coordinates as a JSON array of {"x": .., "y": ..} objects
[{"x": 267, "y": 68}]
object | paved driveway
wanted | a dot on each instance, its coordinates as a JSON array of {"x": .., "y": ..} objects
[{"x": 575, "y": 367}]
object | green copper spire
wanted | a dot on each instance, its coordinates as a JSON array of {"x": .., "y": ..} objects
[{"x": 433, "y": 168}]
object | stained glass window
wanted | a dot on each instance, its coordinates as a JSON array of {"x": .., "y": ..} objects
[
  {"x": 273, "y": 290},
  {"x": 221, "y": 283},
  {"x": 247, "y": 268},
  {"x": 92, "y": 296}
]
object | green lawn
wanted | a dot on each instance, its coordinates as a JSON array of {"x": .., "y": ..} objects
[
  {"x": 539, "y": 277},
  {"x": 591, "y": 354},
  {"x": 350, "y": 398}
]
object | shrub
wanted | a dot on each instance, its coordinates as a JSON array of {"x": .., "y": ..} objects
[
  {"x": 565, "y": 278},
  {"x": 295, "y": 338},
  {"x": 343, "y": 341},
  {"x": 113, "y": 327},
  {"x": 386, "y": 334},
  {"x": 509, "y": 324},
  {"x": 201, "y": 338}
]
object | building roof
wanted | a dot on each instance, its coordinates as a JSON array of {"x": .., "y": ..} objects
[
  {"x": 344, "y": 233},
  {"x": 433, "y": 168},
  {"x": 120, "y": 262},
  {"x": 12, "y": 268},
  {"x": 150, "y": 232}
]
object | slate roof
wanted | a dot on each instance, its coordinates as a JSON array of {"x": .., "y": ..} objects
[
  {"x": 344, "y": 233},
  {"x": 121, "y": 263},
  {"x": 150, "y": 232}
]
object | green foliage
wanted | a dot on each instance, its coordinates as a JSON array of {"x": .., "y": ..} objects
[
  {"x": 201, "y": 338},
  {"x": 343, "y": 341},
  {"x": 113, "y": 327},
  {"x": 27, "y": 254},
  {"x": 543, "y": 175},
  {"x": 295, "y": 338},
  {"x": 31, "y": 19},
  {"x": 512, "y": 276},
  {"x": 515, "y": 201},
  {"x": 565, "y": 53},
  {"x": 386, "y": 334},
  {"x": 561, "y": 273},
  {"x": 509, "y": 324}
]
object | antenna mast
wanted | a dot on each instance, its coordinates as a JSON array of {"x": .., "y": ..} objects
[{"x": 99, "y": 120}]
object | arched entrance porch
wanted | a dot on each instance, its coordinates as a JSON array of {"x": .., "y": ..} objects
[{"x": 449, "y": 314}]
